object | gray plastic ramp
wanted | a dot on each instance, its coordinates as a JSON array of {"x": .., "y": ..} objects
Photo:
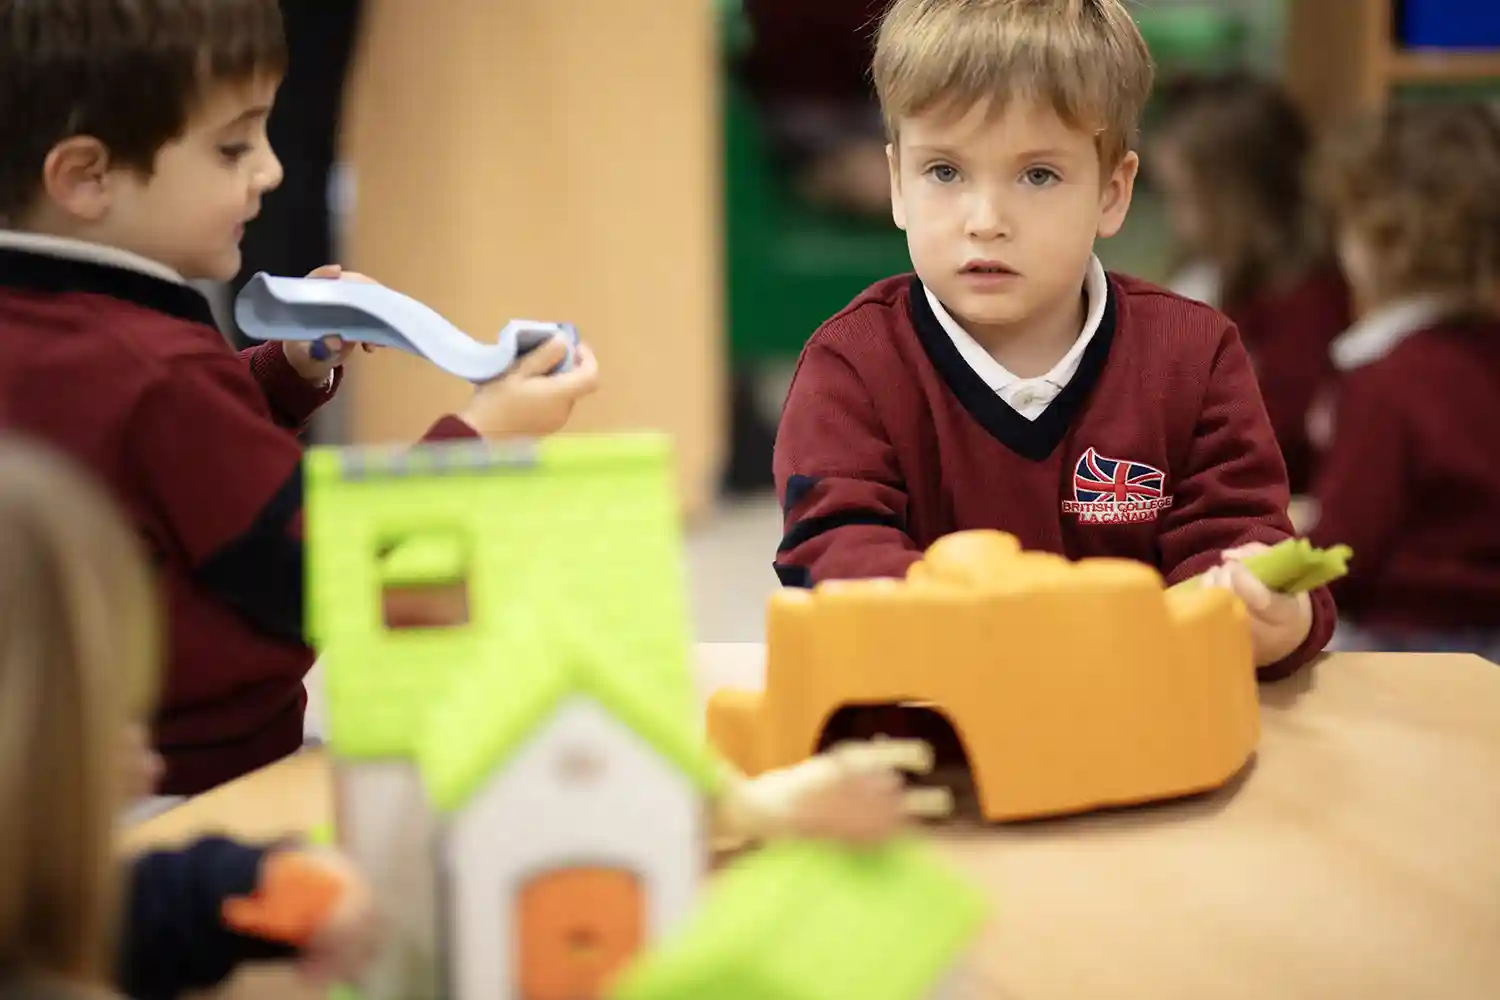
[{"x": 272, "y": 308}]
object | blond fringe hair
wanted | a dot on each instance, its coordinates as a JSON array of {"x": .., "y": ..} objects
[
  {"x": 78, "y": 627},
  {"x": 1419, "y": 185},
  {"x": 1084, "y": 58}
]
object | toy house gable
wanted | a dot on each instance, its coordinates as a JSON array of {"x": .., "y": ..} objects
[
  {"x": 585, "y": 839},
  {"x": 534, "y": 534},
  {"x": 570, "y": 782}
]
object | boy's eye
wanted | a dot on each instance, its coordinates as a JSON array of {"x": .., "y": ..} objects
[
  {"x": 943, "y": 173},
  {"x": 1040, "y": 176},
  {"x": 232, "y": 151}
]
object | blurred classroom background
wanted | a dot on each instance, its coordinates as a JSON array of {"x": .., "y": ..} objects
[{"x": 696, "y": 184}]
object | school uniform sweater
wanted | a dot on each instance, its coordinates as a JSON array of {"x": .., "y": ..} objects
[
  {"x": 117, "y": 363},
  {"x": 1156, "y": 449},
  {"x": 1287, "y": 331},
  {"x": 1410, "y": 474}
]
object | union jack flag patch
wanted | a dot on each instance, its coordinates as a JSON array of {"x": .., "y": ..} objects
[{"x": 1116, "y": 491}]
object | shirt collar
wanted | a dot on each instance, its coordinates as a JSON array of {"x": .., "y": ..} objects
[
  {"x": 996, "y": 375},
  {"x": 1377, "y": 333},
  {"x": 83, "y": 250}
]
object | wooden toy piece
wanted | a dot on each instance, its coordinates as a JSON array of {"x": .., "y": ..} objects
[
  {"x": 1110, "y": 688},
  {"x": 817, "y": 920},
  {"x": 295, "y": 898}
]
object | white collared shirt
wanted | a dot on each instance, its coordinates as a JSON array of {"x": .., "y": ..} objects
[
  {"x": 1377, "y": 333},
  {"x": 94, "y": 253},
  {"x": 1029, "y": 397}
]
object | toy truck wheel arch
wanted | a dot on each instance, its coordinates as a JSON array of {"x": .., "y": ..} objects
[{"x": 1069, "y": 685}]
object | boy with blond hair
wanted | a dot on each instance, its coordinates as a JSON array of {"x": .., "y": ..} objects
[
  {"x": 1012, "y": 383},
  {"x": 133, "y": 153}
]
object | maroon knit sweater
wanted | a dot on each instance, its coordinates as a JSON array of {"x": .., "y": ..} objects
[
  {"x": 128, "y": 374},
  {"x": 1158, "y": 450}
]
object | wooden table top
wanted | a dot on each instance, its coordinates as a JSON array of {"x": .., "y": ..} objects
[{"x": 1359, "y": 856}]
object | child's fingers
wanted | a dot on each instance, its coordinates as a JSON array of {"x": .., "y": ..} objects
[
  {"x": 326, "y": 271},
  {"x": 543, "y": 358},
  {"x": 1256, "y": 595},
  {"x": 583, "y": 377}
]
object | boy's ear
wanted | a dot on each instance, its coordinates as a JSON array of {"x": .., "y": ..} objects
[
  {"x": 75, "y": 175},
  {"x": 898, "y": 210},
  {"x": 1115, "y": 198}
]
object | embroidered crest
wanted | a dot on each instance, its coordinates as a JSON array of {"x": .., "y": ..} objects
[{"x": 1116, "y": 491}]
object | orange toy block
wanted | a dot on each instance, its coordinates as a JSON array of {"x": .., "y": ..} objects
[
  {"x": 1061, "y": 687},
  {"x": 294, "y": 899}
]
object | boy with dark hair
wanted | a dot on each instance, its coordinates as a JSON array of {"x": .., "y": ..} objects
[
  {"x": 133, "y": 153},
  {"x": 1012, "y": 383}
]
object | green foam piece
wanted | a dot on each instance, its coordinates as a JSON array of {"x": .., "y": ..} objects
[
  {"x": 322, "y": 835},
  {"x": 815, "y": 920},
  {"x": 1292, "y": 566},
  {"x": 489, "y": 714},
  {"x": 574, "y": 534}
]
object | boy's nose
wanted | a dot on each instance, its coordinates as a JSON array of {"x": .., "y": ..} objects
[
  {"x": 985, "y": 220},
  {"x": 270, "y": 174}
]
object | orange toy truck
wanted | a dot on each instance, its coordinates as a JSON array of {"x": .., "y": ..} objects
[{"x": 1056, "y": 687}]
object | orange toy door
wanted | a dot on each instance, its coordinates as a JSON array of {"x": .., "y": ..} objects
[{"x": 577, "y": 927}]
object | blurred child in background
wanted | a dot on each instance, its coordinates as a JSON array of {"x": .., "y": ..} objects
[
  {"x": 1230, "y": 156},
  {"x": 1410, "y": 472},
  {"x": 79, "y": 663}
]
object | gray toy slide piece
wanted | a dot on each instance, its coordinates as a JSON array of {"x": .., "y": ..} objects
[{"x": 271, "y": 308}]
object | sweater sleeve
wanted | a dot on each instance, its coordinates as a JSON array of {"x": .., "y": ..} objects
[
  {"x": 222, "y": 486},
  {"x": 292, "y": 399},
  {"x": 173, "y": 938},
  {"x": 1233, "y": 491},
  {"x": 843, "y": 500},
  {"x": 1360, "y": 488}
]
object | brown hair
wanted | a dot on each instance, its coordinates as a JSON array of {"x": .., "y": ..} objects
[
  {"x": 77, "y": 653},
  {"x": 1419, "y": 186},
  {"x": 127, "y": 72},
  {"x": 1245, "y": 146},
  {"x": 1085, "y": 58}
]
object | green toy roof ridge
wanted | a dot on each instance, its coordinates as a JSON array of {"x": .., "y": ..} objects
[
  {"x": 812, "y": 920},
  {"x": 592, "y": 518},
  {"x": 491, "y": 711}
]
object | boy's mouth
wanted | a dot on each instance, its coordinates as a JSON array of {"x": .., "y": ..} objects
[{"x": 986, "y": 267}]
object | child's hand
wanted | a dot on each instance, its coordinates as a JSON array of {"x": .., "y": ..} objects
[
  {"x": 1278, "y": 622},
  {"x": 527, "y": 401},
  {"x": 318, "y": 903},
  {"x": 315, "y": 360}
]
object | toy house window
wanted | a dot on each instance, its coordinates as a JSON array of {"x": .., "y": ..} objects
[
  {"x": 579, "y": 764},
  {"x": 425, "y": 581}
]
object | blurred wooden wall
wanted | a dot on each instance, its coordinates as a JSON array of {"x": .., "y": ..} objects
[{"x": 549, "y": 160}]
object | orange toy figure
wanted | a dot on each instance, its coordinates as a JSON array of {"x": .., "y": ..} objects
[
  {"x": 1057, "y": 687},
  {"x": 313, "y": 901}
]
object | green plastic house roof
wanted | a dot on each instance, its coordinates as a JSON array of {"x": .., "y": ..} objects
[
  {"x": 489, "y": 714},
  {"x": 576, "y": 534},
  {"x": 804, "y": 920}
]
